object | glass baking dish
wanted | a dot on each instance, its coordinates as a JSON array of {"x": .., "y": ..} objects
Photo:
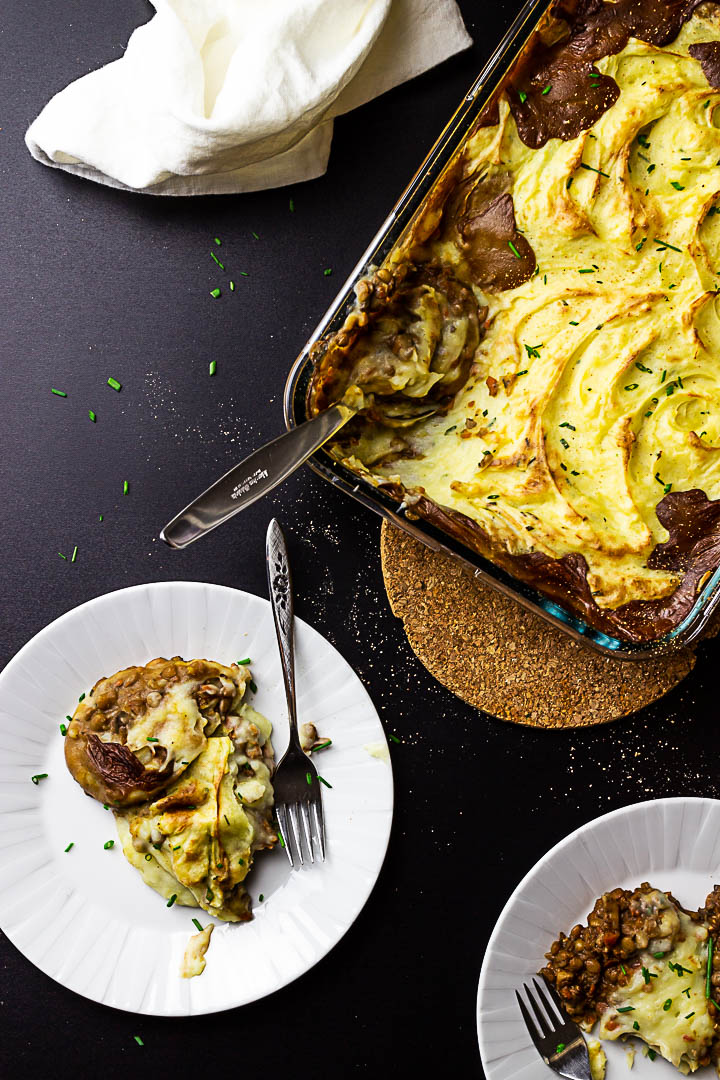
[{"x": 695, "y": 624}]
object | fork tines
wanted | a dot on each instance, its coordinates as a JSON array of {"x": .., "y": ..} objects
[
  {"x": 302, "y": 826},
  {"x": 557, "y": 1039}
]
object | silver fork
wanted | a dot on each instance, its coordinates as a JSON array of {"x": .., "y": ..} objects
[
  {"x": 298, "y": 801},
  {"x": 557, "y": 1039}
]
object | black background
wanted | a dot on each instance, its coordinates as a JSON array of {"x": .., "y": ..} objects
[{"x": 95, "y": 282}]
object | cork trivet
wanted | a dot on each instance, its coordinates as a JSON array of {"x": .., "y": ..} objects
[{"x": 504, "y": 660}]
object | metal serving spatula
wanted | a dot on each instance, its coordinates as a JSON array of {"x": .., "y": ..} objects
[
  {"x": 262, "y": 471},
  {"x": 254, "y": 477}
]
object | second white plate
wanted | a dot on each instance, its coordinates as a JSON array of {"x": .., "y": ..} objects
[
  {"x": 672, "y": 843},
  {"x": 84, "y": 916}
]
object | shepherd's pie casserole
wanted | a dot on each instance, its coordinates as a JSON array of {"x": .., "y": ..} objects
[{"x": 556, "y": 302}]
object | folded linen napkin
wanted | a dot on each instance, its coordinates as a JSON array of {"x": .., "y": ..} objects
[{"x": 220, "y": 96}]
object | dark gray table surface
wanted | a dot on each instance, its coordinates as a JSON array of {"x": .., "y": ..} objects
[{"x": 94, "y": 282}]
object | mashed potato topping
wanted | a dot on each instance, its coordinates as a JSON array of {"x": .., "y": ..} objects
[{"x": 582, "y": 450}]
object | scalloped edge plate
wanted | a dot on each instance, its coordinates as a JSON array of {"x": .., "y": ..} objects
[
  {"x": 84, "y": 916},
  {"x": 672, "y": 843}
]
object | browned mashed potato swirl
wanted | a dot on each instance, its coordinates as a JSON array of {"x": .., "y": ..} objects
[{"x": 581, "y": 452}]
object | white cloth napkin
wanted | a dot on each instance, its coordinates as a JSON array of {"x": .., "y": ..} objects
[{"x": 219, "y": 96}]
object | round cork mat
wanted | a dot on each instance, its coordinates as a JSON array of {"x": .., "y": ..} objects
[{"x": 504, "y": 660}]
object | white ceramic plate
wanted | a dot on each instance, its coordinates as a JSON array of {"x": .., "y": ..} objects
[
  {"x": 85, "y": 917},
  {"x": 672, "y": 843}
]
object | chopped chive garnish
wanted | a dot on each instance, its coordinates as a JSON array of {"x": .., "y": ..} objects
[
  {"x": 652, "y": 1054},
  {"x": 81, "y": 698},
  {"x": 114, "y": 384},
  {"x": 708, "y": 973},
  {"x": 60, "y": 393},
  {"x": 631, "y": 386},
  {"x": 291, "y": 206},
  {"x": 547, "y": 89},
  {"x": 63, "y": 729},
  {"x": 217, "y": 240},
  {"x": 212, "y": 368},
  {"x": 327, "y": 271},
  {"x": 196, "y": 923},
  {"x": 92, "y": 416},
  {"x": 514, "y": 250},
  {"x": 280, "y": 838},
  {"x": 138, "y": 1040},
  {"x": 261, "y": 897},
  {"x": 627, "y": 1008},
  {"x": 247, "y": 660},
  {"x": 215, "y": 258},
  {"x": 646, "y": 975},
  {"x": 256, "y": 236},
  {"x": 642, "y": 367},
  {"x": 591, "y": 168},
  {"x": 643, "y": 140},
  {"x": 324, "y": 781},
  {"x": 523, "y": 96},
  {"x": 172, "y": 900},
  {"x": 320, "y": 746},
  {"x": 393, "y": 737},
  {"x": 568, "y": 183},
  {"x": 622, "y": 968},
  {"x": 126, "y": 487},
  {"x": 108, "y": 845},
  {"x": 567, "y": 425},
  {"x": 177, "y": 847},
  {"x": 686, "y": 992},
  {"x": 62, "y": 556},
  {"x": 689, "y": 1015},
  {"x": 639, "y": 247},
  {"x": 215, "y": 293},
  {"x": 532, "y": 351},
  {"x": 151, "y": 738},
  {"x": 73, "y": 557},
  {"x": 667, "y": 1004},
  {"x": 148, "y": 857},
  {"x": 253, "y": 686},
  {"x": 70, "y": 845},
  {"x": 678, "y": 187},
  {"x": 232, "y": 286},
  {"x": 244, "y": 273},
  {"x": 308, "y": 777},
  {"x": 559, "y": 1048},
  {"x": 636, "y": 1026},
  {"x": 38, "y": 777},
  {"x": 100, "y": 517},
  {"x": 590, "y": 271},
  {"x": 666, "y": 245}
]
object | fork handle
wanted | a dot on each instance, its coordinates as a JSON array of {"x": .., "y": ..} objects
[{"x": 281, "y": 598}]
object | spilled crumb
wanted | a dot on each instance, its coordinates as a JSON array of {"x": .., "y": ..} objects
[
  {"x": 193, "y": 962},
  {"x": 378, "y": 750},
  {"x": 598, "y": 1060}
]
